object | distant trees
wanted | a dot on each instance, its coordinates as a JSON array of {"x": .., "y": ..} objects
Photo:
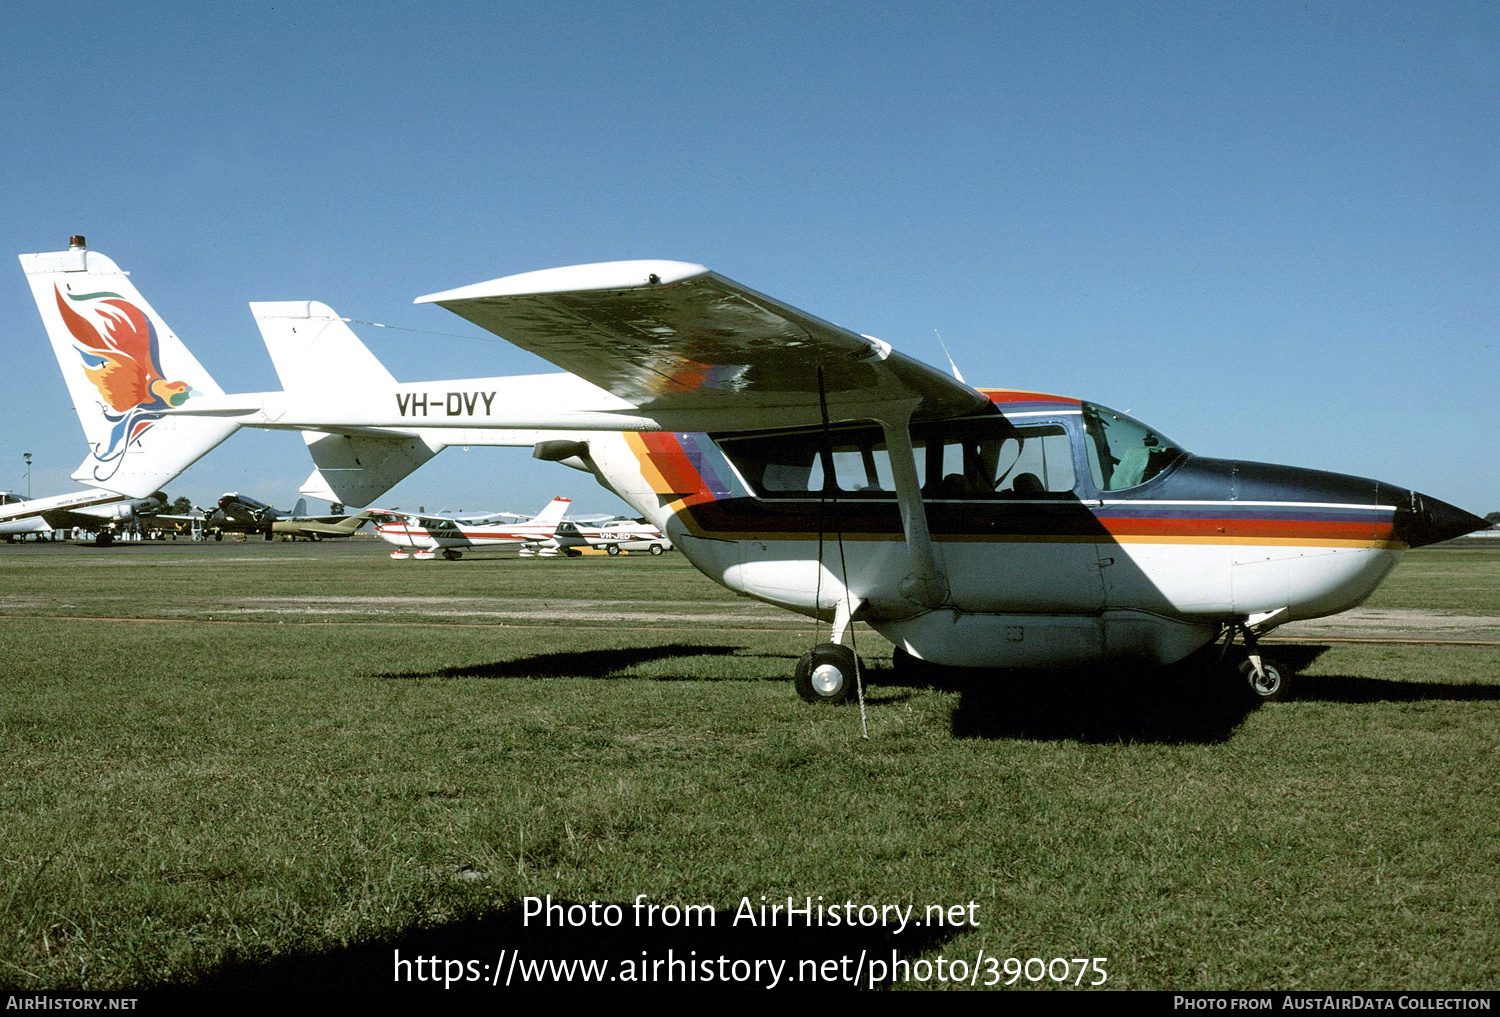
[
  {"x": 182, "y": 506},
  {"x": 1493, "y": 518}
]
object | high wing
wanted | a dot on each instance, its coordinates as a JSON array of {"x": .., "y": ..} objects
[{"x": 684, "y": 343}]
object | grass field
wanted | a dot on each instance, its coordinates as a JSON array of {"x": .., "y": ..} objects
[{"x": 276, "y": 766}]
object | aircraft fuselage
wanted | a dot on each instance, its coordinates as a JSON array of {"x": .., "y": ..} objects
[{"x": 1062, "y": 531}]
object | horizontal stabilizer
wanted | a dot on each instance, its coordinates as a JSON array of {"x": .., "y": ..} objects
[{"x": 357, "y": 469}]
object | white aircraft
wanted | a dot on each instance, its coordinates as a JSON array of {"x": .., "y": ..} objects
[
  {"x": 423, "y": 536},
  {"x": 819, "y": 470},
  {"x": 98, "y": 511},
  {"x": 124, "y": 369},
  {"x": 612, "y": 535}
]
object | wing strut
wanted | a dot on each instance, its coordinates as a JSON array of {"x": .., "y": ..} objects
[{"x": 926, "y": 585}]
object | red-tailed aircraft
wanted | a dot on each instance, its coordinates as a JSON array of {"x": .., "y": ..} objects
[
  {"x": 418, "y": 535},
  {"x": 817, "y": 469}
]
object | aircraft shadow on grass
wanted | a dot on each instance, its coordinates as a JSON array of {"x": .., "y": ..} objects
[
  {"x": 1101, "y": 703},
  {"x": 492, "y": 941},
  {"x": 602, "y": 664},
  {"x": 1339, "y": 688}
]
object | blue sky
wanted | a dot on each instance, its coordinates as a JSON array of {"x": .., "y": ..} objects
[{"x": 1270, "y": 230}]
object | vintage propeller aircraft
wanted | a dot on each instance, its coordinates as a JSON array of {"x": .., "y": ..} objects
[
  {"x": 817, "y": 469},
  {"x": 422, "y": 536},
  {"x": 240, "y": 513}
]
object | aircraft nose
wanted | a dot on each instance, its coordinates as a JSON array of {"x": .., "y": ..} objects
[{"x": 1422, "y": 520}]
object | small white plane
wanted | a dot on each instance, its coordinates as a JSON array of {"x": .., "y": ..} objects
[
  {"x": 817, "y": 469},
  {"x": 100, "y": 512},
  {"x": 421, "y": 536},
  {"x": 610, "y": 535}
]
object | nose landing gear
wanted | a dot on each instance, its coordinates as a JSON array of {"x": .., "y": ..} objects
[{"x": 1266, "y": 679}]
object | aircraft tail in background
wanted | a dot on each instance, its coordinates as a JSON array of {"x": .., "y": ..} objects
[
  {"x": 553, "y": 513},
  {"x": 124, "y": 369}
]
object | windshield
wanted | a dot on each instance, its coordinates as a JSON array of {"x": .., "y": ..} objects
[{"x": 1122, "y": 451}]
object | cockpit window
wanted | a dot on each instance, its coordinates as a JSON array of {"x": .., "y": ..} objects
[{"x": 1122, "y": 451}]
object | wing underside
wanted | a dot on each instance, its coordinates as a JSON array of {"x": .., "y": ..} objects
[{"x": 671, "y": 337}]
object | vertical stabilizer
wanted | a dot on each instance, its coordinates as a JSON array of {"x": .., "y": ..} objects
[
  {"x": 554, "y": 511},
  {"x": 315, "y": 351},
  {"x": 124, "y": 369}
]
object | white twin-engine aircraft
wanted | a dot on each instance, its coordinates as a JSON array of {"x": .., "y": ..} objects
[{"x": 817, "y": 469}]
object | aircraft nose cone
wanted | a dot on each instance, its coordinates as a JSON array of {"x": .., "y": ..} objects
[{"x": 1423, "y": 520}]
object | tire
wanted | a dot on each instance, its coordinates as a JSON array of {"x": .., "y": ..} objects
[
  {"x": 1272, "y": 686},
  {"x": 451, "y": 555},
  {"x": 656, "y": 549},
  {"x": 612, "y": 550},
  {"x": 910, "y": 670},
  {"x": 825, "y": 674}
]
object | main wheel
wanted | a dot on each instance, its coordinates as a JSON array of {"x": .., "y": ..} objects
[
  {"x": 612, "y": 550},
  {"x": 1270, "y": 685},
  {"x": 657, "y": 549},
  {"x": 451, "y": 555},
  {"x": 909, "y": 669},
  {"x": 825, "y": 674}
]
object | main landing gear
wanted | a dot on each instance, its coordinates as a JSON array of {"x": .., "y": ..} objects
[{"x": 826, "y": 674}]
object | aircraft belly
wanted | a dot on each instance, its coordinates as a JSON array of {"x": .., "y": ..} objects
[
  {"x": 29, "y": 524},
  {"x": 958, "y": 639}
]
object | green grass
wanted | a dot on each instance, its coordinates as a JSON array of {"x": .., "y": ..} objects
[
  {"x": 184, "y": 799},
  {"x": 1459, "y": 579}
]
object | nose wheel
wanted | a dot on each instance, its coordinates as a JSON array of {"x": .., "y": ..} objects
[
  {"x": 1267, "y": 682},
  {"x": 1266, "y": 679}
]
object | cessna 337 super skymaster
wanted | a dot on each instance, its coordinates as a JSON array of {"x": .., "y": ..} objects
[{"x": 819, "y": 470}]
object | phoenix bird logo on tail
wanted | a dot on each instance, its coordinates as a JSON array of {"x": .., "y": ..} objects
[{"x": 122, "y": 360}]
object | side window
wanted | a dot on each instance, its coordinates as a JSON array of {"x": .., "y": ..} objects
[
  {"x": 983, "y": 458},
  {"x": 1043, "y": 464}
]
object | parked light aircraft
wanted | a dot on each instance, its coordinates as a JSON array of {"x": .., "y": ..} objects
[
  {"x": 423, "y": 536},
  {"x": 610, "y": 535},
  {"x": 239, "y": 513},
  {"x": 819, "y": 470}
]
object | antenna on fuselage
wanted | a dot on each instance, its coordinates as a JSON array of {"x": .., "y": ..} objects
[{"x": 951, "y": 365}]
